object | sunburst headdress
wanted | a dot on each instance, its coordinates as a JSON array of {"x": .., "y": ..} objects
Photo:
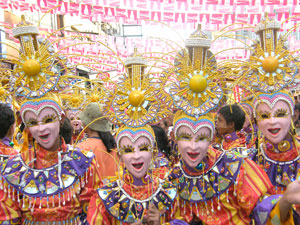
[
  {"x": 271, "y": 69},
  {"x": 137, "y": 100},
  {"x": 196, "y": 91},
  {"x": 271, "y": 66}
]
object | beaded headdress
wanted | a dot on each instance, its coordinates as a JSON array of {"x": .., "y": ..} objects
[
  {"x": 36, "y": 105},
  {"x": 271, "y": 66},
  {"x": 134, "y": 133},
  {"x": 137, "y": 100},
  {"x": 181, "y": 119},
  {"x": 196, "y": 90},
  {"x": 272, "y": 98}
]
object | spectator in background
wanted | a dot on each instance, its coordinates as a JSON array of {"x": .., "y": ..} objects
[
  {"x": 100, "y": 140},
  {"x": 66, "y": 131},
  {"x": 163, "y": 146},
  {"x": 7, "y": 125},
  {"x": 296, "y": 118}
]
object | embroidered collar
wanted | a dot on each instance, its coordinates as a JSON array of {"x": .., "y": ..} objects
[
  {"x": 46, "y": 181},
  {"x": 123, "y": 207},
  {"x": 281, "y": 173},
  {"x": 215, "y": 181}
]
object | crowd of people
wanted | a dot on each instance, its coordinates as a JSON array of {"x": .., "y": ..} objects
[{"x": 144, "y": 155}]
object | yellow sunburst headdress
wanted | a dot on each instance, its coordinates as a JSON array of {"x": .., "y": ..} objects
[
  {"x": 271, "y": 66},
  {"x": 137, "y": 100},
  {"x": 196, "y": 90}
]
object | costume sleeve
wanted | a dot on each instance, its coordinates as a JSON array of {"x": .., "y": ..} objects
[
  {"x": 267, "y": 212},
  {"x": 9, "y": 209},
  {"x": 92, "y": 183},
  {"x": 252, "y": 184},
  {"x": 176, "y": 222},
  {"x": 97, "y": 214}
]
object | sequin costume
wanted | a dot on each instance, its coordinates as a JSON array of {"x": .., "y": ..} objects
[
  {"x": 6, "y": 150},
  {"x": 271, "y": 69},
  {"x": 223, "y": 188},
  {"x": 34, "y": 194},
  {"x": 137, "y": 102},
  {"x": 52, "y": 184}
]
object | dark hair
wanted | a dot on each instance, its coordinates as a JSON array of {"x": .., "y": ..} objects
[
  {"x": 234, "y": 114},
  {"x": 162, "y": 140},
  {"x": 7, "y": 119},
  {"x": 66, "y": 131},
  {"x": 297, "y": 107},
  {"x": 108, "y": 140}
]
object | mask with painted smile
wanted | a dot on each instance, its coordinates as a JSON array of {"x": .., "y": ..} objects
[
  {"x": 44, "y": 127},
  {"x": 274, "y": 122},
  {"x": 136, "y": 145}
]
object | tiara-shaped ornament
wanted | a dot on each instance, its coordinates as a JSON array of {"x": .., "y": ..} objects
[
  {"x": 137, "y": 99},
  {"x": 196, "y": 92},
  {"x": 271, "y": 67}
]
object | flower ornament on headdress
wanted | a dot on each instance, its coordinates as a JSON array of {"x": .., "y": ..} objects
[
  {"x": 271, "y": 67},
  {"x": 38, "y": 68},
  {"x": 196, "y": 92},
  {"x": 137, "y": 100}
]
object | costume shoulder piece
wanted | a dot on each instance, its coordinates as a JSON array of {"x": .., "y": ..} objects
[
  {"x": 125, "y": 208},
  {"x": 213, "y": 183},
  {"x": 47, "y": 181}
]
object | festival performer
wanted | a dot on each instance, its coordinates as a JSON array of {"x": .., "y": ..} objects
[
  {"x": 272, "y": 70},
  {"x": 76, "y": 123},
  {"x": 137, "y": 195},
  {"x": 51, "y": 182},
  {"x": 215, "y": 187}
]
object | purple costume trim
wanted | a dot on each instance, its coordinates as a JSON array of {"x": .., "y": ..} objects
[
  {"x": 263, "y": 209},
  {"x": 178, "y": 222},
  {"x": 216, "y": 180},
  {"x": 45, "y": 182},
  {"x": 124, "y": 208},
  {"x": 279, "y": 173}
]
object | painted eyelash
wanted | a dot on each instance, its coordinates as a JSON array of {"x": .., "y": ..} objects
[
  {"x": 127, "y": 147},
  {"x": 261, "y": 114},
  {"x": 203, "y": 136},
  {"x": 183, "y": 135},
  {"x": 30, "y": 122},
  {"x": 51, "y": 116},
  {"x": 144, "y": 145},
  {"x": 281, "y": 111}
]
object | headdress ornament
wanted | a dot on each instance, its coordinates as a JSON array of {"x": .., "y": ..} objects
[
  {"x": 138, "y": 99},
  {"x": 272, "y": 98},
  {"x": 196, "y": 91},
  {"x": 271, "y": 67}
]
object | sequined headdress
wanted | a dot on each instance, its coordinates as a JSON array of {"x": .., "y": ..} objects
[
  {"x": 137, "y": 100},
  {"x": 196, "y": 91},
  {"x": 272, "y": 69}
]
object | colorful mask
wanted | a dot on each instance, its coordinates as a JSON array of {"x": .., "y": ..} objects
[
  {"x": 44, "y": 126},
  {"x": 193, "y": 137},
  {"x": 274, "y": 120},
  {"x": 76, "y": 123},
  {"x": 136, "y": 145}
]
